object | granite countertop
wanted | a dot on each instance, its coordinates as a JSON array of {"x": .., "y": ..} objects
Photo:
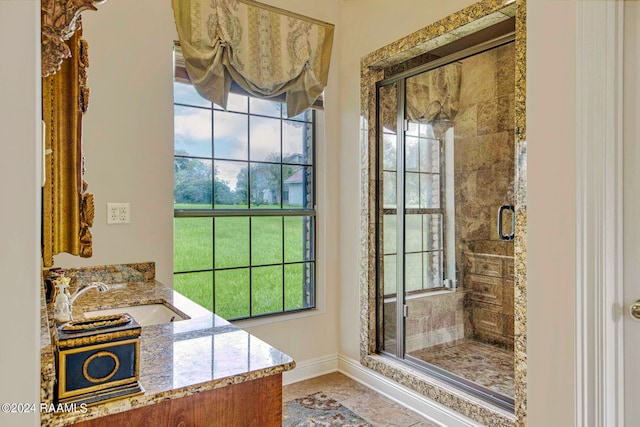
[{"x": 177, "y": 359}]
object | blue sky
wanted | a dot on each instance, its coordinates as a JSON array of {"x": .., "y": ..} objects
[{"x": 192, "y": 131}]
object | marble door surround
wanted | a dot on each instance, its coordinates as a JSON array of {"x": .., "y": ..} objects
[{"x": 451, "y": 28}]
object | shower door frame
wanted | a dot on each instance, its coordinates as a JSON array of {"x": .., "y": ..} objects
[
  {"x": 441, "y": 401},
  {"x": 498, "y": 399}
]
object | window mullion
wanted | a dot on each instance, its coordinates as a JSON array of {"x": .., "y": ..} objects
[
  {"x": 250, "y": 269},
  {"x": 283, "y": 264},
  {"x": 278, "y": 267},
  {"x": 213, "y": 203},
  {"x": 213, "y": 261}
]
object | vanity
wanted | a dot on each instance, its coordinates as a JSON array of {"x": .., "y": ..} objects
[{"x": 195, "y": 367}]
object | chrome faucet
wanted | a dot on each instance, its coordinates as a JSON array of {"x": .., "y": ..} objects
[{"x": 99, "y": 286}]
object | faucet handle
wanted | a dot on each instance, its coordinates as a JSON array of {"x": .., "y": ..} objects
[{"x": 100, "y": 286}]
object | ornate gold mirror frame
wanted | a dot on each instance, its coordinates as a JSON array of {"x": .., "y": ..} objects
[{"x": 67, "y": 208}]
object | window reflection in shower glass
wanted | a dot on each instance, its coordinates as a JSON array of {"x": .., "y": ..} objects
[
  {"x": 411, "y": 154},
  {"x": 411, "y": 190},
  {"x": 423, "y": 252},
  {"x": 413, "y": 272},
  {"x": 429, "y": 191},
  {"x": 390, "y": 274},
  {"x": 388, "y": 277},
  {"x": 389, "y": 225},
  {"x": 432, "y": 269},
  {"x": 429, "y": 155},
  {"x": 389, "y": 190},
  {"x": 389, "y": 152},
  {"x": 432, "y": 232},
  {"x": 413, "y": 233}
]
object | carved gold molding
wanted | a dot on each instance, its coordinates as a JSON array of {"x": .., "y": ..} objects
[
  {"x": 59, "y": 19},
  {"x": 67, "y": 208}
]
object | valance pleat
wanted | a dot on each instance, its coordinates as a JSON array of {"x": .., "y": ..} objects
[
  {"x": 434, "y": 91},
  {"x": 430, "y": 97},
  {"x": 266, "y": 51}
]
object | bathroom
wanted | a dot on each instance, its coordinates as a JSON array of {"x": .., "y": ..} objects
[{"x": 141, "y": 174}]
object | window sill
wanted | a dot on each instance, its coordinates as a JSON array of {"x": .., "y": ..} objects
[{"x": 276, "y": 318}]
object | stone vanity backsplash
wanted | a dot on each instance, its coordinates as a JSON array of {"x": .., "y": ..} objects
[{"x": 117, "y": 273}]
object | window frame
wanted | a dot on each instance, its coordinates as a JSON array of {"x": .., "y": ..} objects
[
  {"x": 310, "y": 262},
  {"x": 400, "y": 174}
]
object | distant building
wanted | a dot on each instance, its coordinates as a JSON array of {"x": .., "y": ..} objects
[{"x": 294, "y": 188}]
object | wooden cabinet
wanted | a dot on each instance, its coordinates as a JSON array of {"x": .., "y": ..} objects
[{"x": 252, "y": 403}]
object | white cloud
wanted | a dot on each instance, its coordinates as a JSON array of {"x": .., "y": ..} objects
[{"x": 192, "y": 126}]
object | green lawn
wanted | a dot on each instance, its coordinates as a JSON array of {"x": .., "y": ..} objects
[{"x": 240, "y": 242}]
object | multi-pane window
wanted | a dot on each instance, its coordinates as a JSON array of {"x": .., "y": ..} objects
[
  {"x": 423, "y": 209},
  {"x": 244, "y": 205},
  {"x": 412, "y": 199}
]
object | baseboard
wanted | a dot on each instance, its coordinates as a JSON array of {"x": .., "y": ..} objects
[
  {"x": 311, "y": 368},
  {"x": 404, "y": 396}
]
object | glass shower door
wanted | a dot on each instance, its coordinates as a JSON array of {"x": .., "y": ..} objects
[
  {"x": 445, "y": 262},
  {"x": 388, "y": 320}
]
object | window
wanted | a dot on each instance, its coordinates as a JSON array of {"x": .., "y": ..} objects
[
  {"x": 415, "y": 212},
  {"x": 244, "y": 203},
  {"x": 424, "y": 212}
]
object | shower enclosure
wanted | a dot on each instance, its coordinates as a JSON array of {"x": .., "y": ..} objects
[{"x": 445, "y": 174}]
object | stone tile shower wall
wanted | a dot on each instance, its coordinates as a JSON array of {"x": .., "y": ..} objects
[
  {"x": 434, "y": 319},
  {"x": 488, "y": 307},
  {"x": 484, "y": 174}
]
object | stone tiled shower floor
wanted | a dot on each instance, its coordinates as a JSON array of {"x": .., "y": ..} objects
[{"x": 481, "y": 363}]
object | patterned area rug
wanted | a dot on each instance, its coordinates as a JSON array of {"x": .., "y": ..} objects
[{"x": 319, "y": 410}]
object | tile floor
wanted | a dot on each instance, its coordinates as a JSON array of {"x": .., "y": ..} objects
[
  {"x": 481, "y": 363},
  {"x": 370, "y": 405}
]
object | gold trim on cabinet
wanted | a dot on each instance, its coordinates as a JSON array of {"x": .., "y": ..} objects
[
  {"x": 77, "y": 342},
  {"x": 85, "y": 366},
  {"x": 62, "y": 362}
]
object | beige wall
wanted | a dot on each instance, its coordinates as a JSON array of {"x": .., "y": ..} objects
[
  {"x": 20, "y": 212},
  {"x": 362, "y": 26},
  {"x": 128, "y": 132},
  {"x": 368, "y": 25},
  {"x": 551, "y": 207},
  {"x": 128, "y": 143},
  {"x": 365, "y": 25}
]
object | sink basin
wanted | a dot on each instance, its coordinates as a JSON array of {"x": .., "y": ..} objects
[{"x": 145, "y": 315}]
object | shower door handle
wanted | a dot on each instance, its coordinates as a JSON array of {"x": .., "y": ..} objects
[{"x": 501, "y": 210}]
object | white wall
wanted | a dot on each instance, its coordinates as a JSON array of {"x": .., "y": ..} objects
[{"x": 20, "y": 213}]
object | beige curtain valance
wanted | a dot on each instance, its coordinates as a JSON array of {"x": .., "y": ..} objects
[
  {"x": 429, "y": 97},
  {"x": 442, "y": 85},
  {"x": 267, "y": 51}
]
